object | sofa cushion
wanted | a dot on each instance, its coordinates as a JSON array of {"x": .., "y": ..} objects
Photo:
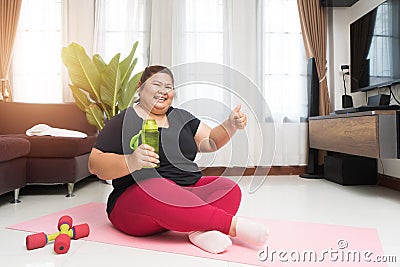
[
  {"x": 67, "y": 170},
  {"x": 58, "y": 147},
  {"x": 12, "y": 148}
]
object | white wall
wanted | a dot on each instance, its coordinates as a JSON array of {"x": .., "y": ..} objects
[{"x": 339, "y": 20}]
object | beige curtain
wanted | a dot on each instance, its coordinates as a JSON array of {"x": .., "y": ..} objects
[
  {"x": 9, "y": 15},
  {"x": 313, "y": 27}
]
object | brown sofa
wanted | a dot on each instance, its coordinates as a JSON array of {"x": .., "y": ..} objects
[
  {"x": 51, "y": 160},
  {"x": 13, "y": 164}
]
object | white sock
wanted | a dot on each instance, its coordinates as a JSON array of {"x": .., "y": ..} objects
[
  {"x": 210, "y": 241},
  {"x": 251, "y": 232}
]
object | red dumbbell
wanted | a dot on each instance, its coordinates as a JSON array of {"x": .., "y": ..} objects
[{"x": 62, "y": 238}]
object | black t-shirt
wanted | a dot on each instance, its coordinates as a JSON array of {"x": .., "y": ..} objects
[{"x": 177, "y": 149}]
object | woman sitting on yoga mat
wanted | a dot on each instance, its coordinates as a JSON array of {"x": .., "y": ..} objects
[{"x": 175, "y": 196}]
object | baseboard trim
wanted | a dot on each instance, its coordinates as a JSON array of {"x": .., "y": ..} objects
[
  {"x": 242, "y": 171},
  {"x": 389, "y": 181},
  {"x": 383, "y": 180}
]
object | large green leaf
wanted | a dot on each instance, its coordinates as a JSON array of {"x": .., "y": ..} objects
[
  {"x": 99, "y": 62},
  {"x": 95, "y": 116},
  {"x": 127, "y": 95},
  {"x": 100, "y": 89},
  {"x": 110, "y": 88},
  {"x": 82, "y": 71},
  {"x": 129, "y": 72},
  {"x": 126, "y": 63},
  {"x": 81, "y": 99}
]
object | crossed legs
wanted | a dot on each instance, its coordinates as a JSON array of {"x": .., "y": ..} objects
[{"x": 157, "y": 205}]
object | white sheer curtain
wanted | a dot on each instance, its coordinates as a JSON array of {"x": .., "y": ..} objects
[
  {"x": 198, "y": 31},
  {"x": 214, "y": 54},
  {"x": 118, "y": 25},
  {"x": 198, "y": 28},
  {"x": 285, "y": 79},
  {"x": 36, "y": 64},
  {"x": 45, "y": 26},
  {"x": 260, "y": 40}
]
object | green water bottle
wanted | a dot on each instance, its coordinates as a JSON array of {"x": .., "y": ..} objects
[{"x": 149, "y": 136}]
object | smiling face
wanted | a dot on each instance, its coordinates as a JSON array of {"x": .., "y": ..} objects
[{"x": 157, "y": 93}]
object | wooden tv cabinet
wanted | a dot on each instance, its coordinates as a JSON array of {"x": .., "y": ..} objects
[{"x": 369, "y": 134}]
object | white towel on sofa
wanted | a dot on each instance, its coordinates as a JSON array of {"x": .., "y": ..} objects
[{"x": 44, "y": 129}]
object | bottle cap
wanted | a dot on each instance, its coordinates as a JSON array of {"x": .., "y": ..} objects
[{"x": 149, "y": 125}]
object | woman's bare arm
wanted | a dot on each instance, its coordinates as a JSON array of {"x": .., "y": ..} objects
[
  {"x": 211, "y": 139},
  {"x": 109, "y": 166}
]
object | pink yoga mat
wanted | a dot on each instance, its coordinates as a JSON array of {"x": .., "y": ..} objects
[{"x": 290, "y": 243}]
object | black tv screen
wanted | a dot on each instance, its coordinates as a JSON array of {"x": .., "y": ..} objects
[{"x": 375, "y": 48}]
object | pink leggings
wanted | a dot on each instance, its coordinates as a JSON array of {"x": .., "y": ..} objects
[{"x": 157, "y": 205}]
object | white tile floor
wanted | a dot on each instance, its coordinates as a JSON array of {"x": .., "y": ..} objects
[{"x": 280, "y": 197}]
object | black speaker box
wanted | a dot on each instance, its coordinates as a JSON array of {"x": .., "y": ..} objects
[
  {"x": 398, "y": 133},
  {"x": 347, "y": 101},
  {"x": 313, "y": 110},
  {"x": 350, "y": 170}
]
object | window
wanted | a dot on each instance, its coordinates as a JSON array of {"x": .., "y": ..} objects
[
  {"x": 36, "y": 65},
  {"x": 285, "y": 73},
  {"x": 124, "y": 23},
  {"x": 200, "y": 39},
  {"x": 203, "y": 32}
]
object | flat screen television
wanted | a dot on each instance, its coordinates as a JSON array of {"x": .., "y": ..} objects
[{"x": 375, "y": 48}]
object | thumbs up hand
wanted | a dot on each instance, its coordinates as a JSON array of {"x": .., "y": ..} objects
[{"x": 237, "y": 118}]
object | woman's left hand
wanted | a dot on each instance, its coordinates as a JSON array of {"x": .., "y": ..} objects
[{"x": 237, "y": 119}]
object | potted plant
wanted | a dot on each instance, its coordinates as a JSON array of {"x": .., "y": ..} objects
[{"x": 101, "y": 90}]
